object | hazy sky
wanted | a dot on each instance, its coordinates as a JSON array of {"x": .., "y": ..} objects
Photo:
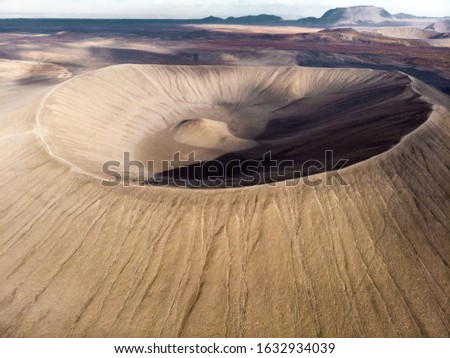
[{"x": 288, "y": 9}]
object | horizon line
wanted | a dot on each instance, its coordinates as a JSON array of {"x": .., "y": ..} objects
[{"x": 176, "y": 19}]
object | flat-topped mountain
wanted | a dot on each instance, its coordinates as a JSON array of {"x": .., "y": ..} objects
[{"x": 354, "y": 15}]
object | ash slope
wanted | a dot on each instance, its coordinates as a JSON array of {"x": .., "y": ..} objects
[{"x": 367, "y": 259}]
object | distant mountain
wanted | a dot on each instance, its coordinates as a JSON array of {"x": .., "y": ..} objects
[
  {"x": 338, "y": 17},
  {"x": 262, "y": 19},
  {"x": 354, "y": 15},
  {"x": 440, "y": 26},
  {"x": 252, "y": 20},
  {"x": 403, "y": 16},
  {"x": 211, "y": 20}
]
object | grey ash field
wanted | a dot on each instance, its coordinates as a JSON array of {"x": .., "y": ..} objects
[{"x": 367, "y": 259}]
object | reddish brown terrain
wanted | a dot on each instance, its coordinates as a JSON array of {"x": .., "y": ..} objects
[{"x": 231, "y": 45}]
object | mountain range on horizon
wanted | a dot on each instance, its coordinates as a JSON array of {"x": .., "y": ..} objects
[
  {"x": 338, "y": 17},
  {"x": 353, "y": 15}
]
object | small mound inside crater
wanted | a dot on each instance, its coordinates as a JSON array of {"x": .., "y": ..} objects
[
  {"x": 203, "y": 127},
  {"x": 209, "y": 134}
]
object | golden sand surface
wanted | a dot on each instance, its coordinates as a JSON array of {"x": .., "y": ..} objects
[{"x": 78, "y": 259}]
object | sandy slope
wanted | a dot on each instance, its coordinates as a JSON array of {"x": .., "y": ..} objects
[
  {"x": 416, "y": 33},
  {"x": 441, "y": 26},
  {"x": 29, "y": 70},
  {"x": 440, "y": 42},
  {"x": 406, "y": 32},
  {"x": 78, "y": 259}
]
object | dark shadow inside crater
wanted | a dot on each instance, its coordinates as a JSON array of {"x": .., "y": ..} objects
[{"x": 299, "y": 138}]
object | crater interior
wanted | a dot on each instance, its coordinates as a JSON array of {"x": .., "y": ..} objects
[{"x": 186, "y": 125}]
